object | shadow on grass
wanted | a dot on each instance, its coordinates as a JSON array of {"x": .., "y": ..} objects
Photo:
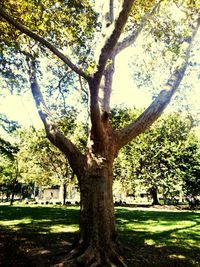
[
  {"x": 36, "y": 236},
  {"x": 160, "y": 238},
  {"x": 41, "y": 236}
]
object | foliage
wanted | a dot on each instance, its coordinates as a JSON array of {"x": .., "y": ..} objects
[
  {"x": 9, "y": 177},
  {"x": 190, "y": 167},
  {"x": 40, "y": 162},
  {"x": 7, "y": 126},
  {"x": 161, "y": 156},
  {"x": 43, "y": 163},
  {"x": 164, "y": 157},
  {"x": 74, "y": 28},
  {"x": 61, "y": 23},
  {"x": 9, "y": 171}
]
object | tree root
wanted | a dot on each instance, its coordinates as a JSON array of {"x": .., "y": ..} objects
[
  {"x": 92, "y": 257},
  {"x": 116, "y": 259}
]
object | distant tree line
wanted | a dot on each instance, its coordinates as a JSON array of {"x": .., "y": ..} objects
[{"x": 164, "y": 160}]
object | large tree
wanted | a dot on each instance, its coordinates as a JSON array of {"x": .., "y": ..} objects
[
  {"x": 155, "y": 159},
  {"x": 39, "y": 27}
]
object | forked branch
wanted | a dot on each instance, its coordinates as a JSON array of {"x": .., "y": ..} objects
[
  {"x": 112, "y": 40},
  {"x": 129, "y": 40},
  {"x": 106, "y": 53},
  {"x": 146, "y": 119},
  {"x": 42, "y": 41}
]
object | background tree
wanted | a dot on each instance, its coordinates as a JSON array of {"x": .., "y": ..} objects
[
  {"x": 161, "y": 149},
  {"x": 190, "y": 166},
  {"x": 10, "y": 178},
  {"x": 9, "y": 173},
  {"x": 154, "y": 159},
  {"x": 42, "y": 163},
  {"x": 49, "y": 27}
]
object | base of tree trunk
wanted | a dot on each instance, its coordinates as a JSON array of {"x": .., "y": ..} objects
[
  {"x": 92, "y": 257},
  {"x": 155, "y": 203}
]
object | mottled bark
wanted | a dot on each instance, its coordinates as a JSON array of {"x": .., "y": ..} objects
[
  {"x": 97, "y": 244},
  {"x": 130, "y": 40}
]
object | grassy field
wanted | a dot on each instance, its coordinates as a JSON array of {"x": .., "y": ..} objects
[{"x": 40, "y": 236}]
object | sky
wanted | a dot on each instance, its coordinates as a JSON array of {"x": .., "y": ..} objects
[
  {"x": 22, "y": 108},
  {"x": 125, "y": 91}
]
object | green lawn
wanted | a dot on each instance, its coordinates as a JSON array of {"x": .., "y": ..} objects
[{"x": 41, "y": 235}]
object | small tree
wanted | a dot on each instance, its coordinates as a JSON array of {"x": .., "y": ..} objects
[{"x": 9, "y": 162}]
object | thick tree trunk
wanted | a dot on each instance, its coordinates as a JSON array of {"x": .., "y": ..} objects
[
  {"x": 97, "y": 204},
  {"x": 154, "y": 194},
  {"x": 97, "y": 245}
]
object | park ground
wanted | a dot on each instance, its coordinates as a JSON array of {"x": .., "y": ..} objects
[{"x": 40, "y": 236}]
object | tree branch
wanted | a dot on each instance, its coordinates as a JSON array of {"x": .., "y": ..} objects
[
  {"x": 42, "y": 41},
  {"x": 76, "y": 159},
  {"x": 146, "y": 119},
  {"x": 112, "y": 40},
  {"x": 133, "y": 37},
  {"x": 111, "y": 11},
  {"x": 95, "y": 112},
  {"x": 106, "y": 52},
  {"x": 81, "y": 86},
  {"x": 107, "y": 88}
]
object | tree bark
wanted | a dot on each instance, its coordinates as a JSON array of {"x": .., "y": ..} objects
[
  {"x": 64, "y": 192},
  {"x": 97, "y": 244}
]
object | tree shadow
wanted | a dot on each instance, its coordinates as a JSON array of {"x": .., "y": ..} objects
[
  {"x": 147, "y": 245},
  {"x": 42, "y": 236},
  {"x": 30, "y": 238}
]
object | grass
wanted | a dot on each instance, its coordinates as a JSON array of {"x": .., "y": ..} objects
[
  {"x": 41, "y": 235},
  {"x": 160, "y": 237}
]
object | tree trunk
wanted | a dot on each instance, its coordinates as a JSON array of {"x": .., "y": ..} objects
[
  {"x": 154, "y": 195},
  {"x": 12, "y": 195},
  {"x": 97, "y": 244},
  {"x": 7, "y": 195},
  {"x": 64, "y": 193}
]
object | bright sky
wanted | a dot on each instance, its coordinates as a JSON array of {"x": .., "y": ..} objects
[
  {"x": 125, "y": 92},
  {"x": 22, "y": 108}
]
